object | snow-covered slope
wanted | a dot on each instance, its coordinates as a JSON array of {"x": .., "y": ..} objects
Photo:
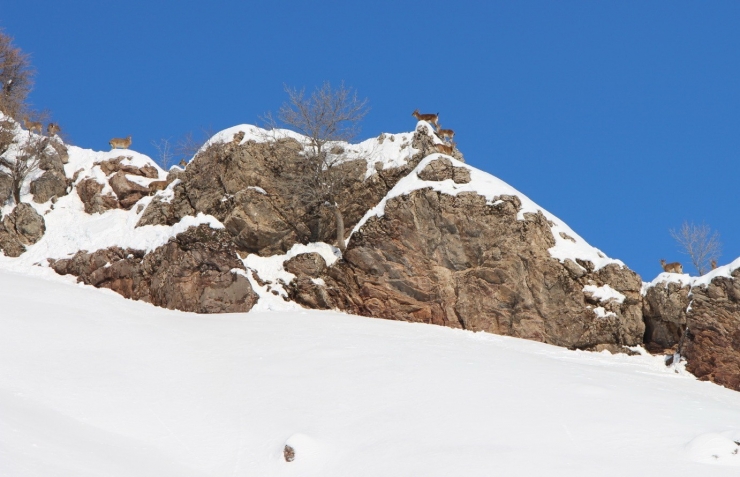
[{"x": 92, "y": 384}]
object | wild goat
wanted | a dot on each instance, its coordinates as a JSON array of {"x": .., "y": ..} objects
[
  {"x": 445, "y": 133},
  {"x": 432, "y": 118},
  {"x": 155, "y": 186},
  {"x": 52, "y": 129},
  {"x": 121, "y": 143},
  {"x": 446, "y": 148},
  {"x": 32, "y": 125},
  {"x": 713, "y": 264},
  {"x": 674, "y": 267}
]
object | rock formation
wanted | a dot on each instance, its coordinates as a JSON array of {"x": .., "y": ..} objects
[
  {"x": 22, "y": 227},
  {"x": 701, "y": 321},
  {"x": 458, "y": 261},
  {"x": 191, "y": 272}
]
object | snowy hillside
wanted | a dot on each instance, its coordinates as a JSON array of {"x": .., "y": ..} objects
[{"x": 92, "y": 384}]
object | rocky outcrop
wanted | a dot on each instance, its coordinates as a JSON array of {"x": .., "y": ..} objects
[
  {"x": 52, "y": 184},
  {"x": 22, "y": 227},
  {"x": 246, "y": 186},
  {"x": 192, "y": 272},
  {"x": 90, "y": 193},
  {"x": 309, "y": 264},
  {"x": 664, "y": 312},
  {"x": 459, "y": 261},
  {"x": 442, "y": 169},
  {"x": 700, "y": 322},
  {"x": 112, "y": 166},
  {"x": 712, "y": 341}
]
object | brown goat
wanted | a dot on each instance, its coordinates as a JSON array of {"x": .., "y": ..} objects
[
  {"x": 446, "y": 148},
  {"x": 155, "y": 186},
  {"x": 52, "y": 129},
  {"x": 32, "y": 125},
  {"x": 122, "y": 143},
  {"x": 713, "y": 264},
  {"x": 674, "y": 267},
  {"x": 445, "y": 133},
  {"x": 432, "y": 118}
]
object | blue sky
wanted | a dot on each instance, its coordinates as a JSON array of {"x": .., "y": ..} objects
[{"x": 621, "y": 118}]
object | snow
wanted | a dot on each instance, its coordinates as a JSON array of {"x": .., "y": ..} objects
[
  {"x": 604, "y": 293},
  {"x": 93, "y": 384}
]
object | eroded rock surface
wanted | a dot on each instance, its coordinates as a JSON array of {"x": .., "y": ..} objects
[
  {"x": 22, "y": 227},
  {"x": 712, "y": 342},
  {"x": 244, "y": 186},
  {"x": 460, "y": 262},
  {"x": 192, "y": 272}
]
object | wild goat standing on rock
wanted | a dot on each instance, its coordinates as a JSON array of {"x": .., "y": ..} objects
[
  {"x": 446, "y": 148},
  {"x": 674, "y": 267},
  {"x": 52, "y": 129},
  {"x": 445, "y": 133},
  {"x": 32, "y": 125},
  {"x": 432, "y": 118},
  {"x": 122, "y": 143}
]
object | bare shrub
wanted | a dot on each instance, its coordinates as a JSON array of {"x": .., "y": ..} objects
[
  {"x": 165, "y": 152},
  {"x": 16, "y": 77},
  {"x": 698, "y": 242},
  {"x": 327, "y": 115},
  {"x": 29, "y": 155}
]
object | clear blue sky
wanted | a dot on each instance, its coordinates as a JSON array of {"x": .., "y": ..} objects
[{"x": 622, "y": 118}]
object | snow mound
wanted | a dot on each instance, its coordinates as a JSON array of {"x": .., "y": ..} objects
[{"x": 714, "y": 448}]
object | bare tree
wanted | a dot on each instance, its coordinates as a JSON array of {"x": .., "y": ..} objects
[
  {"x": 16, "y": 77},
  {"x": 699, "y": 243},
  {"x": 327, "y": 115},
  {"x": 165, "y": 152},
  {"x": 29, "y": 154}
]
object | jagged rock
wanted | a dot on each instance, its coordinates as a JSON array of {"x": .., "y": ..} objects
[
  {"x": 89, "y": 191},
  {"x": 124, "y": 187},
  {"x": 23, "y": 226},
  {"x": 130, "y": 200},
  {"x": 442, "y": 169},
  {"x": 192, "y": 272},
  {"x": 244, "y": 186},
  {"x": 6, "y": 189},
  {"x": 309, "y": 264},
  {"x": 51, "y": 184},
  {"x": 460, "y": 262},
  {"x": 712, "y": 342},
  {"x": 664, "y": 312}
]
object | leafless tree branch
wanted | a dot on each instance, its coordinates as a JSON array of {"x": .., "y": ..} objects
[{"x": 699, "y": 243}]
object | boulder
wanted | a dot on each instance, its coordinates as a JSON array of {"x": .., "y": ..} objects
[
  {"x": 51, "y": 184},
  {"x": 442, "y": 169},
  {"x": 192, "y": 272},
  {"x": 309, "y": 264},
  {"x": 22, "y": 227},
  {"x": 124, "y": 188},
  {"x": 90, "y": 192}
]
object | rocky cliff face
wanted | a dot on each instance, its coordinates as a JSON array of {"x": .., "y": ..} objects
[
  {"x": 192, "y": 272},
  {"x": 700, "y": 319},
  {"x": 430, "y": 240},
  {"x": 466, "y": 262}
]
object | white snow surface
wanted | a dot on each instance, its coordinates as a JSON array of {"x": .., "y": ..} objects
[
  {"x": 93, "y": 384},
  {"x": 604, "y": 293}
]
